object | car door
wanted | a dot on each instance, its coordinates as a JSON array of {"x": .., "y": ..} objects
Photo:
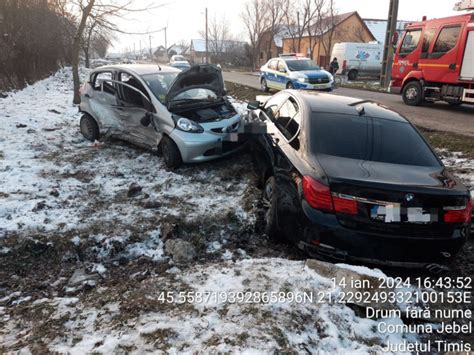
[
  {"x": 440, "y": 59},
  {"x": 284, "y": 125},
  {"x": 409, "y": 51},
  {"x": 134, "y": 105},
  {"x": 102, "y": 100},
  {"x": 271, "y": 75},
  {"x": 282, "y": 115},
  {"x": 282, "y": 73},
  {"x": 266, "y": 144}
]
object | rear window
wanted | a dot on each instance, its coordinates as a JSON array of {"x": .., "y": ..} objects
[
  {"x": 364, "y": 138},
  {"x": 328, "y": 137}
]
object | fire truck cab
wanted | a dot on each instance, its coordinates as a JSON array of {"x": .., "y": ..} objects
[{"x": 435, "y": 61}]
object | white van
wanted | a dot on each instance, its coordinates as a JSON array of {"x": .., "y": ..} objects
[{"x": 358, "y": 58}]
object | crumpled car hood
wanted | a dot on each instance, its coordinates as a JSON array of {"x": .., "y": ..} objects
[{"x": 206, "y": 76}]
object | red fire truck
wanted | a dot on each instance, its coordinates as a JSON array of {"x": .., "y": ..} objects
[{"x": 435, "y": 61}]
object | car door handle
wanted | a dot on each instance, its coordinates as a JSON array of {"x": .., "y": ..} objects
[
  {"x": 118, "y": 108},
  {"x": 88, "y": 96}
]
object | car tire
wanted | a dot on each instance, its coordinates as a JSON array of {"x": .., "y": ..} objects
[
  {"x": 264, "y": 86},
  {"x": 290, "y": 85},
  {"x": 270, "y": 205},
  {"x": 89, "y": 128},
  {"x": 170, "y": 153},
  {"x": 412, "y": 93},
  {"x": 352, "y": 74}
]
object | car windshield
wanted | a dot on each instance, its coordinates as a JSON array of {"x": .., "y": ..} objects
[
  {"x": 196, "y": 94},
  {"x": 301, "y": 64},
  {"x": 159, "y": 83},
  {"x": 372, "y": 139}
]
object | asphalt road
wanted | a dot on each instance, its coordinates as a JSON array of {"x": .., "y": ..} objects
[{"x": 439, "y": 116}]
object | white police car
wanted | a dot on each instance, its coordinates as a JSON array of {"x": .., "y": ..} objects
[{"x": 292, "y": 71}]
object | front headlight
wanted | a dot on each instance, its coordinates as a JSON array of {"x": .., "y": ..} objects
[
  {"x": 331, "y": 78},
  {"x": 188, "y": 126},
  {"x": 303, "y": 80}
]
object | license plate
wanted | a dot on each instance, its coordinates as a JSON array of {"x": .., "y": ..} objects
[{"x": 395, "y": 213}]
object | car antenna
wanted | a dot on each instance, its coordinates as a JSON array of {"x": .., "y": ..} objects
[
  {"x": 158, "y": 66},
  {"x": 360, "y": 109}
]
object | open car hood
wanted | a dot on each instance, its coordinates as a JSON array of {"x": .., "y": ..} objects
[{"x": 206, "y": 76}]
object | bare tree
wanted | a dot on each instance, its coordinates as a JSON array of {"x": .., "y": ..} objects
[
  {"x": 276, "y": 15},
  {"x": 96, "y": 39},
  {"x": 86, "y": 10},
  {"x": 326, "y": 26},
  {"x": 256, "y": 21},
  {"x": 105, "y": 13},
  {"x": 299, "y": 16},
  {"x": 218, "y": 35},
  {"x": 316, "y": 14},
  {"x": 360, "y": 34},
  {"x": 35, "y": 39}
]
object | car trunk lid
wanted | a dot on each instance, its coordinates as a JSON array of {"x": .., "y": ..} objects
[{"x": 393, "y": 198}]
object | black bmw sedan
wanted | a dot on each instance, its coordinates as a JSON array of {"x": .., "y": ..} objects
[{"x": 352, "y": 180}]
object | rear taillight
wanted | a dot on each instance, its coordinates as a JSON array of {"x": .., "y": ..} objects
[
  {"x": 316, "y": 194},
  {"x": 344, "y": 205},
  {"x": 319, "y": 197},
  {"x": 344, "y": 64},
  {"x": 458, "y": 215}
]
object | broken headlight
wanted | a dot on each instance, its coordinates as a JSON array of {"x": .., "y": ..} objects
[{"x": 188, "y": 126}]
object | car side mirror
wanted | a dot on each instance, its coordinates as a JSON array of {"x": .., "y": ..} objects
[
  {"x": 253, "y": 105},
  {"x": 395, "y": 39},
  {"x": 146, "y": 120},
  {"x": 282, "y": 70}
]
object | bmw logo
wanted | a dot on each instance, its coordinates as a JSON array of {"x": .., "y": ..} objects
[{"x": 409, "y": 197}]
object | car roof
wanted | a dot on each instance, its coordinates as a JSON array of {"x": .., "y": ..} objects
[
  {"x": 285, "y": 58},
  {"x": 141, "y": 69},
  {"x": 330, "y": 103}
]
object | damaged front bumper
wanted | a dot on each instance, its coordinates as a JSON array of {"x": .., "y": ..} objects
[{"x": 195, "y": 148}]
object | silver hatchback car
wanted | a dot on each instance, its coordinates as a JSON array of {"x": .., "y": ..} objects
[{"x": 184, "y": 114}]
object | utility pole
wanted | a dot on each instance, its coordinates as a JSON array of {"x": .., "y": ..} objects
[
  {"x": 207, "y": 40},
  {"x": 149, "y": 39},
  {"x": 386, "y": 73},
  {"x": 297, "y": 49}
]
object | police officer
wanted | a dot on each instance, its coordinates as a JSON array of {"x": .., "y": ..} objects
[{"x": 334, "y": 66}]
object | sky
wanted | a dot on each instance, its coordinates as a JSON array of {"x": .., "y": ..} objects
[{"x": 184, "y": 19}]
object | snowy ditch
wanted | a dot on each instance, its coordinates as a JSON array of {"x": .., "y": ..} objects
[{"x": 85, "y": 233}]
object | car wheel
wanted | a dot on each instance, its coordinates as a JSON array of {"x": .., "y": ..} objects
[
  {"x": 264, "y": 86},
  {"x": 290, "y": 85},
  {"x": 352, "y": 75},
  {"x": 170, "y": 153},
  {"x": 89, "y": 128},
  {"x": 270, "y": 203},
  {"x": 412, "y": 93}
]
